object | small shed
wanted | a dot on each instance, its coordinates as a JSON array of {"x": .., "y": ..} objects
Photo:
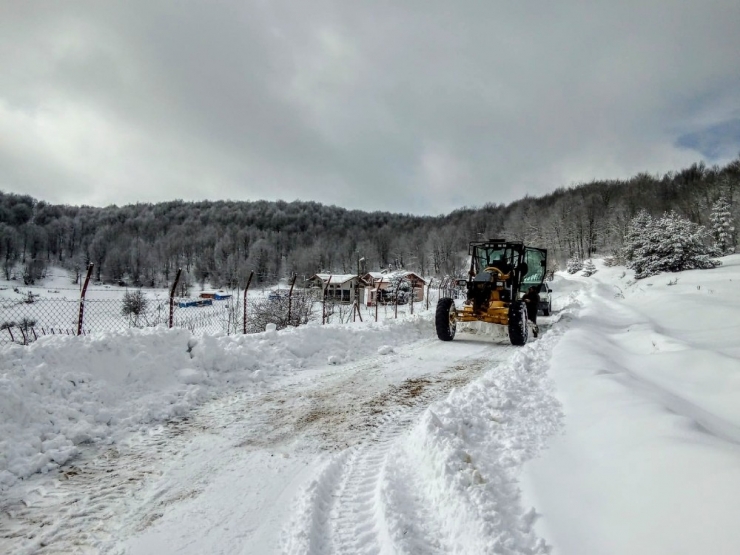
[
  {"x": 215, "y": 295},
  {"x": 195, "y": 302}
]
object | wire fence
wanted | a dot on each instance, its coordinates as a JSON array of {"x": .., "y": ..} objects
[{"x": 23, "y": 321}]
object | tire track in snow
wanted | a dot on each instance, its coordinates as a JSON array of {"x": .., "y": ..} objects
[
  {"x": 74, "y": 510},
  {"x": 90, "y": 504},
  {"x": 345, "y": 509},
  {"x": 77, "y": 509}
]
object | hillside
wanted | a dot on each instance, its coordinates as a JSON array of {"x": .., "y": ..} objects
[{"x": 222, "y": 241}]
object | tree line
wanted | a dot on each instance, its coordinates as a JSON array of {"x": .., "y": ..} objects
[{"x": 221, "y": 242}]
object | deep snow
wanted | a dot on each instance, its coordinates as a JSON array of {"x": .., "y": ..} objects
[
  {"x": 649, "y": 377},
  {"x": 615, "y": 432}
]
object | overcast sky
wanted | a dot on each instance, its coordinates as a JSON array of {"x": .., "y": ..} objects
[{"x": 417, "y": 106}]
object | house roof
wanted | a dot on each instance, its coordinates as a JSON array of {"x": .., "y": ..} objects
[
  {"x": 377, "y": 276},
  {"x": 335, "y": 278}
]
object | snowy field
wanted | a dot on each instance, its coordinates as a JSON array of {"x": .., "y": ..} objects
[{"x": 616, "y": 431}]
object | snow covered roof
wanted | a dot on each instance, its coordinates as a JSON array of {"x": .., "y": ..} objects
[
  {"x": 335, "y": 278},
  {"x": 388, "y": 276}
]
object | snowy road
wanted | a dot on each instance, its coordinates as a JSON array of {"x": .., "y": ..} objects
[{"x": 299, "y": 466}]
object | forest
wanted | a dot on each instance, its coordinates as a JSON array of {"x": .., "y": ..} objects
[{"x": 221, "y": 242}]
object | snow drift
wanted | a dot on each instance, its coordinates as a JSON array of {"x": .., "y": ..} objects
[{"x": 61, "y": 391}]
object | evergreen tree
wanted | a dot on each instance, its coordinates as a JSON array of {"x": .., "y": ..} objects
[
  {"x": 637, "y": 238},
  {"x": 575, "y": 264},
  {"x": 589, "y": 268},
  {"x": 722, "y": 228},
  {"x": 669, "y": 244}
]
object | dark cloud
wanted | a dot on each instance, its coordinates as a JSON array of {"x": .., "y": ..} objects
[{"x": 408, "y": 106}]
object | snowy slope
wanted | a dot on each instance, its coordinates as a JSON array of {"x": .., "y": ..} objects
[{"x": 649, "y": 377}]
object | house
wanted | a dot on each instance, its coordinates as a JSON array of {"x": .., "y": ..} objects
[
  {"x": 382, "y": 285},
  {"x": 341, "y": 287}
]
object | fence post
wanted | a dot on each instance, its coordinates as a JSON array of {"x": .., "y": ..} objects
[
  {"x": 396, "y": 296},
  {"x": 172, "y": 296},
  {"x": 323, "y": 303},
  {"x": 245, "y": 300},
  {"x": 82, "y": 299},
  {"x": 428, "y": 288},
  {"x": 413, "y": 294},
  {"x": 377, "y": 298},
  {"x": 290, "y": 297}
]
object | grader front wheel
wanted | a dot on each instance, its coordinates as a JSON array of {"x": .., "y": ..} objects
[
  {"x": 518, "y": 326},
  {"x": 445, "y": 319}
]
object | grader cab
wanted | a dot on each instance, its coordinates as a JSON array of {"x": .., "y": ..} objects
[{"x": 500, "y": 273}]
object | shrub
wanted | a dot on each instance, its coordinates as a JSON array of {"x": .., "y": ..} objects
[
  {"x": 275, "y": 311},
  {"x": 134, "y": 305}
]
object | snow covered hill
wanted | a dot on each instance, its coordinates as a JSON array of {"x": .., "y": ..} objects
[{"x": 615, "y": 432}]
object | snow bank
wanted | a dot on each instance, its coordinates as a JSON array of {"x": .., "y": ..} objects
[
  {"x": 648, "y": 374},
  {"x": 464, "y": 456},
  {"x": 61, "y": 392}
]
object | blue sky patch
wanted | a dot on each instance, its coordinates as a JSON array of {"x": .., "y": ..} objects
[{"x": 714, "y": 142}]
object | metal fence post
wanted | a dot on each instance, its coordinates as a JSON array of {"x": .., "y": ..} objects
[
  {"x": 172, "y": 296},
  {"x": 377, "y": 298},
  {"x": 82, "y": 299},
  {"x": 323, "y": 304},
  {"x": 290, "y": 298},
  {"x": 396, "y": 296},
  {"x": 245, "y": 300}
]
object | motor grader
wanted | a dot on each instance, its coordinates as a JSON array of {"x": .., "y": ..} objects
[{"x": 500, "y": 273}]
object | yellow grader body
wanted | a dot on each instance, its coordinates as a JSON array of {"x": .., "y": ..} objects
[
  {"x": 496, "y": 311},
  {"x": 500, "y": 271}
]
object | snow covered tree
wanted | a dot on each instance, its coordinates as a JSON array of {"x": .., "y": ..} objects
[
  {"x": 589, "y": 268},
  {"x": 575, "y": 264},
  {"x": 668, "y": 244},
  {"x": 637, "y": 238},
  {"x": 722, "y": 228}
]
